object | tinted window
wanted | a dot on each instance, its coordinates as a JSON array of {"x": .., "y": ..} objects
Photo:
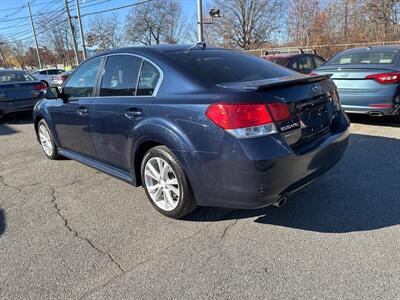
[
  {"x": 148, "y": 79},
  {"x": 225, "y": 66},
  {"x": 43, "y": 72},
  {"x": 83, "y": 81},
  {"x": 10, "y": 77},
  {"x": 283, "y": 61},
  {"x": 365, "y": 57},
  {"x": 318, "y": 61},
  {"x": 53, "y": 72},
  {"x": 120, "y": 76},
  {"x": 305, "y": 64}
]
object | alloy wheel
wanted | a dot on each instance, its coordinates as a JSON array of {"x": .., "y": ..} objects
[
  {"x": 161, "y": 183},
  {"x": 45, "y": 140}
]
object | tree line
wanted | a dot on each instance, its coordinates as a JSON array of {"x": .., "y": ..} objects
[{"x": 245, "y": 24}]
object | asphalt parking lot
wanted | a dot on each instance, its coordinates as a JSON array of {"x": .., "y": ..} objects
[{"x": 68, "y": 231}]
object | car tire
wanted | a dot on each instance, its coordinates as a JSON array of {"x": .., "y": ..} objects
[
  {"x": 46, "y": 140},
  {"x": 166, "y": 184}
]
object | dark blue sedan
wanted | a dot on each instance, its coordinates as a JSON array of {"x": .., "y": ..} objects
[
  {"x": 19, "y": 91},
  {"x": 196, "y": 125},
  {"x": 368, "y": 79}
]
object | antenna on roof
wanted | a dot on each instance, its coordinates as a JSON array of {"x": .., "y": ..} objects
[
  {"x": 202, "y": 44},
  {"x": 301, "y": 51},
  {"x": 369, "y": 47}
]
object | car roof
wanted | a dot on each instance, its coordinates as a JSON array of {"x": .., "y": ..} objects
[
  {"x": 155, "y": 49},
  {"x": 12, "y": 71},
  {"x": 385, "y": 47},
  {"x": 285, "y": 55}
]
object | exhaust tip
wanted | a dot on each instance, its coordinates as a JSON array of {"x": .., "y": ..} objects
[
  {"x": 375, "y": 114},
  {"x": 281, "y": 202}
]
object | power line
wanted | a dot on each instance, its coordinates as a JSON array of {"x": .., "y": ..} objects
[{"x": 116, "y": 8}]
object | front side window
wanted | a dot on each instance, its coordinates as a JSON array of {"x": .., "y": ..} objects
[
  {"x": 148, "y": 79},
  {"x": 83, "y": 81},
  {"x": 120, "y": 75}
]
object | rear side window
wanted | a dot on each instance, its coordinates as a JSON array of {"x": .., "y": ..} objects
[
  {"x": 225, "y": 66},
  {"x": 83, "y": 81},
  {"x": 148, "y": 79},
  {"x": 283, "y": 61},
  {"x": 43, "y": 72},
  {"x": 379, "y": 57},
  {"x": 120, "y": 76}
]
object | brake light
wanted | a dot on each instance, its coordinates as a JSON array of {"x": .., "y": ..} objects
[
  {"x": 336, "y": 100},
  {"x": 247, "y": 120},
  {"x": 40, "y": 87},
  {"x": 384, "y": 78},
  {"x": 313, "y": 74},
  {"x": 279, "y": 111},
  {"x": 63, "y": 77}
]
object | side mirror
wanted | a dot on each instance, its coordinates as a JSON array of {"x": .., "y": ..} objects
[{"x": 54, "y": 93}]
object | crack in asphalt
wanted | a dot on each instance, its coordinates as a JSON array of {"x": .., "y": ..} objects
[
  {"x": 76, "y": 234},
  {"x": 156, "y": 256},
  {"x": 16, "y": 187}
]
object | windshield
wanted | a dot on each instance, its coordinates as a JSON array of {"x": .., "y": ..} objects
[
  {"x": 226, "y": 66},
  {"x": 377, "y": 57},
  {"x": 14, "y": 76}
]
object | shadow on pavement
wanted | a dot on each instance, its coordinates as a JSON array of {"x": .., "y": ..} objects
[
  {"x": 361, "y": 193},
  {"x": 377, "y": 121},
  {"x": 14, "y": 119},
  {"x": 2, "y": 221}
]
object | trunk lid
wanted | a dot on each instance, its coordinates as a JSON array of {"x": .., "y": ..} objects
[
  {"x": 19, "y": 91},
  {"x": 353, "y": 79},
  {"x": 310, "y": 102}
]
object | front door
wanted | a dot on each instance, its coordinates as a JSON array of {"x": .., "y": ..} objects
[
  {"x": 125, "y": 99},
  {"x": 72, "y": 118}
]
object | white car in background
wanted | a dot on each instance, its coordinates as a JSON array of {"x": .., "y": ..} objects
[{"x": 46, "y": 75}]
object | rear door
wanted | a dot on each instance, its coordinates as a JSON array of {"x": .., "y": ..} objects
[{"x": 125, "y": 98}]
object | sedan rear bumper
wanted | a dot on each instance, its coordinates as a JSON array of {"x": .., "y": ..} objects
[{"x": 260, "y": 178}]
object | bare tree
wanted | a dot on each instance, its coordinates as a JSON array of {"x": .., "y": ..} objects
[
  {"x": 154, "y": 22},
  {"x": 105, "y": 32},
  {"x": 302, "y": 15},
  {"x": 248, "y": 24}
]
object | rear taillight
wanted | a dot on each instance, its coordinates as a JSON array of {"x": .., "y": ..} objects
[
  {"x": 247, "y": 120},
  {"x": 40, "y": 87},
  {"x": 335, "y": 98},
  {"x": 313, "y": 74},
  {"x": 63, "y": 77},
  {"x": 384, "y": 78},
  {"x": 381, "y": 105}
]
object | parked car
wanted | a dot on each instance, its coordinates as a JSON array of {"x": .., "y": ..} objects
[
  {"x": 46, "y": 75},
  {"x": 300, "y": 62},
  {"x": 196, "y": 125},
  {"x": 19, "y": 91},
  {"x": 368, "y": 79},
  {"x": 58, "y": 80}
]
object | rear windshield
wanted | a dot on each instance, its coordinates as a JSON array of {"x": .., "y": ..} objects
[
  {"x": 226, "y": 66},
  {"x": 376, "y": 57},
  {"x": 10, "y": 77}
]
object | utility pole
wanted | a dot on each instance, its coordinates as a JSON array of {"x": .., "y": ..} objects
[
  {"x": 72, "y": 33},
  {"x": 200, "y": 21},
  {"x": 78, "y": 10},
  {"x": 34, "y": 35}
]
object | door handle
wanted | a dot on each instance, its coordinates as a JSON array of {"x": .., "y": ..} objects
[
  {"x": 133, "y": 113},
  {"x": 82, "y": 111}
]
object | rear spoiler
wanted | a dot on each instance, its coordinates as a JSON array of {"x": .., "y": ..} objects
[{"x": 264, "y": 84}]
